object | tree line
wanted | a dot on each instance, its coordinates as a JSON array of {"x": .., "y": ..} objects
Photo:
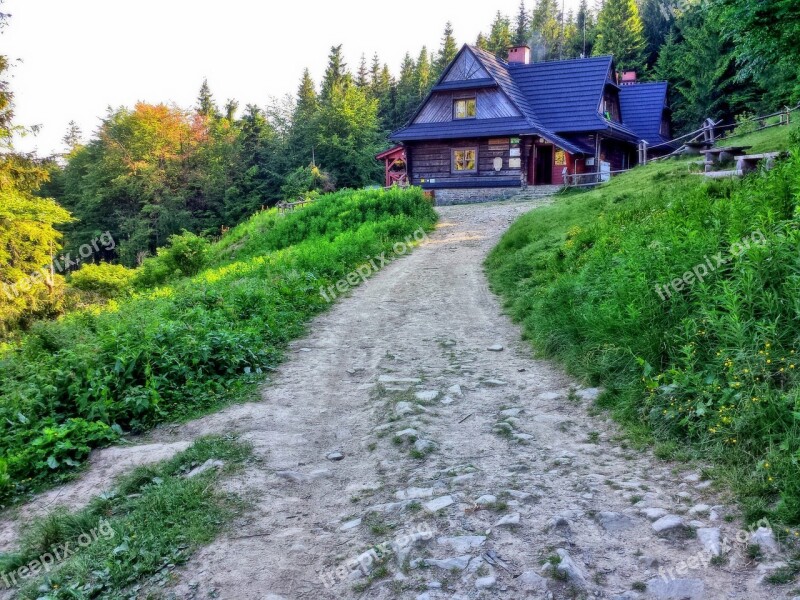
[{"x": 153, "y": 170}]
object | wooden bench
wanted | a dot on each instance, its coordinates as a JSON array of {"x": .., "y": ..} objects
[{"x": 749, "y": 162}]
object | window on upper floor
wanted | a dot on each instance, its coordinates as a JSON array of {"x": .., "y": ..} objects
[{"x": 465, "y": 108}]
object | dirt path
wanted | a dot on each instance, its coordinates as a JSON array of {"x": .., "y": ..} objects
[{"x": 473, "y": 467}]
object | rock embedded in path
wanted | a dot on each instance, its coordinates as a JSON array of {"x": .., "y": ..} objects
[
  {"x": 462, "y": 543},
  {"x": 426, "y": 395},
  {"x": 334, "y": 456},
  {"x": 414, "y": 493},
  {"x": 407, "y": 433},
  {"x": 570, "y": 570},
  {"x": 676, "y": 589},
  {"x": 462, "y": 479},
  {"x": 209, "y": 465},
  {"x": 455, "y": 390},
  {"x": 700, "y": 509},
  {"x": 612, "y": 521},
  {"x": 531, "y": 581},
  {"x": 511, "y": 412},
  {"x": 764, "y": 538},
  {"x": 391, "y": 379},
  {"x": 486, "y": 500},
  {"x": 549, "y": 396},
  {"x": 710, "y": 539},
  {"x": 438, "y": 503},
  {"x": 484, "y": 583},
  {"x": 508, "y": 520},
  {"x": 425, "y": 446},
  {"x": 654, "y": 514},
  {"x": 668, "y": 524},
  {"x": 293, "y": 476},
  {"x": 589, "y": 394},
  {"x": 350, "y": 525},
  {"x": 495, "y": 348},
  {"x": 404, "y": 408},
  {"x": 495, "y": 382},
  {"x": 457, "y": 563}
]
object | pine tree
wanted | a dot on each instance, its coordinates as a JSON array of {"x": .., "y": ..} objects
[
  {"x": 620, "y": 33},
  {"x": 375, "y": 74},
  {"x": 336, "y": 73},
  {"x": 522, "y": 27},
  {"x": 500, "y": 36},
  {"x": 362, "y": 77},
  {"x": 205, "y": 102},
  {"x": 306, "y": 94},
  {"x": 481, "y": 42},
  {"x": 447, "y": 51}
]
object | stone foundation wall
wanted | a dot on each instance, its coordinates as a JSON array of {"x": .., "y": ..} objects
[{"x": 447, "y": 197}]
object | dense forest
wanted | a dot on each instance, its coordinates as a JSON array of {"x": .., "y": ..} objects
[{"x": 151, "y": 171}]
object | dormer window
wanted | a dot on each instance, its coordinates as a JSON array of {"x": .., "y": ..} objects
[{"x": 465, "y": 108}]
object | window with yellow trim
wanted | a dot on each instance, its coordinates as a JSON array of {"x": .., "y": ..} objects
[
  {"x": 465, "y": 108},
  {"x": 465, "y": 160}
]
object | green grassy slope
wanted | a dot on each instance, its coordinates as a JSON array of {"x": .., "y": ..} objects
[
  {"x": 174, "y": 351},
  {"x": 710, "y": 360}
]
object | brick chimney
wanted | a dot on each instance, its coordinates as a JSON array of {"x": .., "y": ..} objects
[
  {"x": 628, "y": 78},
  {"x": 519, "y": 55}
]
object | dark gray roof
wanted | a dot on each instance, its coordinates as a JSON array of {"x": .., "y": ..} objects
[
  {"x": 642, "y": 106},
  {"x": 556, "y": 99}
]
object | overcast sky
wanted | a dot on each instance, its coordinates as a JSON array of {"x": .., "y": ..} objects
[{"x": 79, "y": 56}]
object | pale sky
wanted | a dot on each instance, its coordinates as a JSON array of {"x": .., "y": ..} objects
[{"x": 79, "y": 56}]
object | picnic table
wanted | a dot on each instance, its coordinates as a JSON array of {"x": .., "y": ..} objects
[
  {"x": 697, "y": 148},
  {"x": 749, "y": 162},
  {"x": 721, "y": 155}
]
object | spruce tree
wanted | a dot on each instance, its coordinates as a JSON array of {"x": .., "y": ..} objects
[
  {"x": 362, "y": 77},
  {"x": 72, "y": 138},
  {"x": 522, "y": 26},
  {"x": 481, "y": 42},
  {"x": 422, "y": 74},
  {"x": 407, "y": 92},
  {"x": 620, "y": 33},
  {"x": 545, "y": 31},
  {"x": 582, "y": 40},
  {"x": 205, "y": 102},
  {"x": 336, "y": 73},
  {"x": 447, "y": 51},
  {"x": 500, "y": 36}
]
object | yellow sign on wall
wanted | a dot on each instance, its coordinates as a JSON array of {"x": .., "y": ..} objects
[{"x": 561, "y": 158}]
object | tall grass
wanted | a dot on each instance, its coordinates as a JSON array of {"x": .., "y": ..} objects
[
  {"x": 185, "y": 347},
  {"x": 713, "y": 364}
]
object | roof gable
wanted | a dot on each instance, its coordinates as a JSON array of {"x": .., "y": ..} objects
[{"x": 465, "y": 67}]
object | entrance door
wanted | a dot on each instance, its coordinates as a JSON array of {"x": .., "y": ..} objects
[{"x": 544, "y": 165}]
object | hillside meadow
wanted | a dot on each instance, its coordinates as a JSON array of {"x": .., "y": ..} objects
[
  {"x": 195, "y": 327},
  {"x": 681, "y": 297}
]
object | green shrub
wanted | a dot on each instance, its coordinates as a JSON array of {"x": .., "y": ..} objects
[
  {"x": 105, "y": 279},
  {"x": 713, "y": 363},
  {"x": 173, "y": 351}
]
